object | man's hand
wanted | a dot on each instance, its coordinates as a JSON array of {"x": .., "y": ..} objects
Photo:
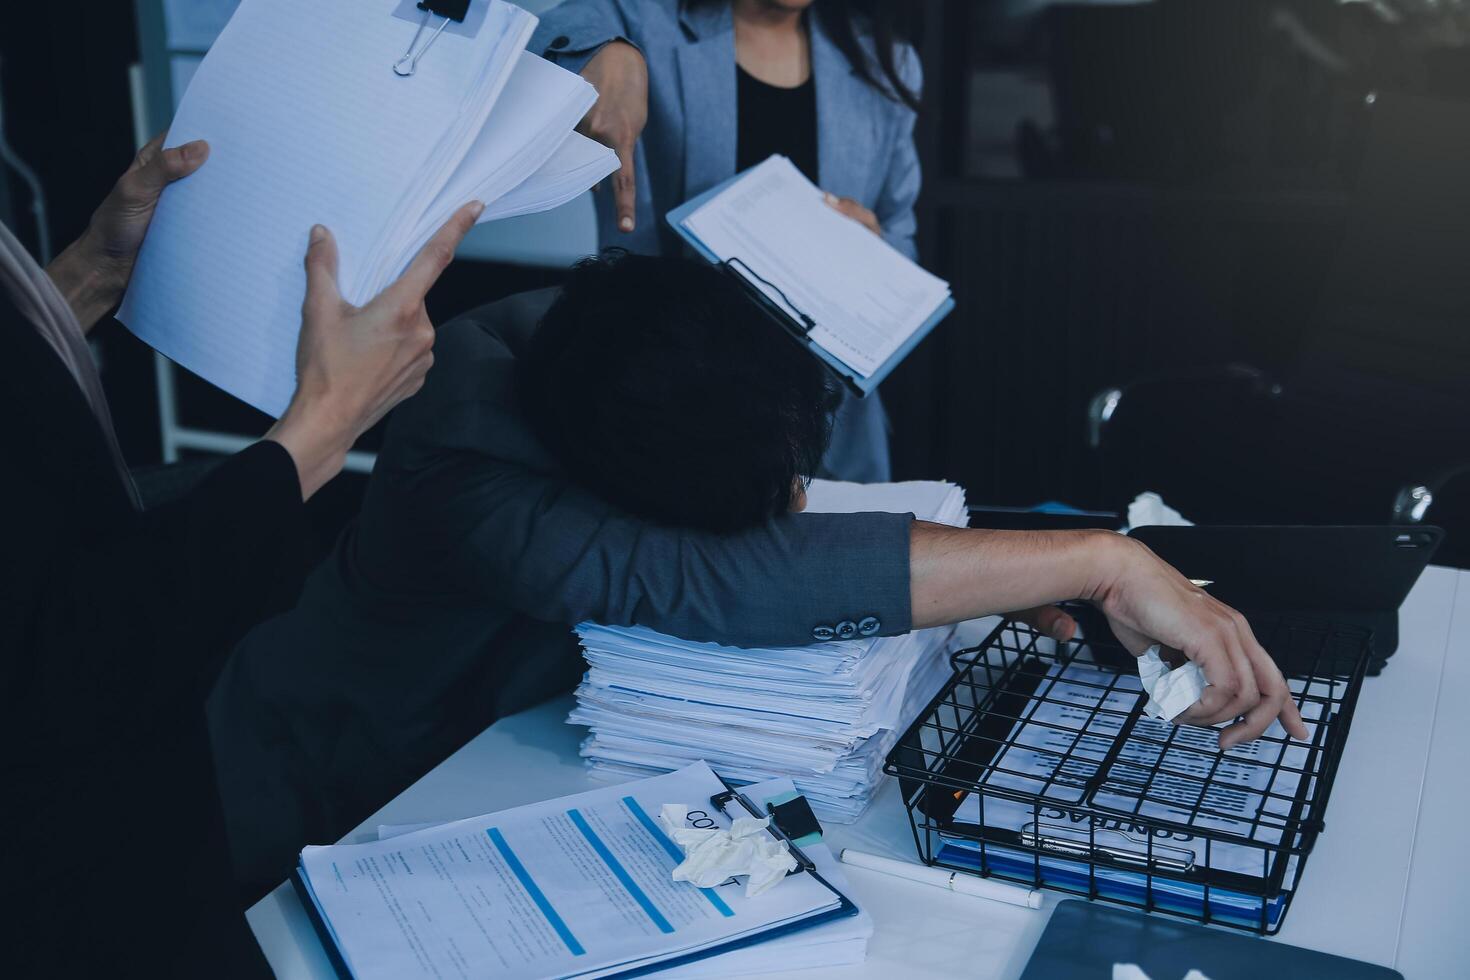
[
  {"x": 855, "y": 211},
  {"x": 1147, "y": 601},
  {"x": 964, "y": 573},
  {"x": 353, "y": 364},
  {"x": 94, "y": 270},
  {"x": 620, "y": 75},
  {"x": 1053, "y": 621}
]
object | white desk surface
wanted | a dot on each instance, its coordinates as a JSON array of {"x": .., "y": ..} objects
[{"x": 1387, "y": 882}]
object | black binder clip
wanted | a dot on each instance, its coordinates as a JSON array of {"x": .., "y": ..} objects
[
  {"x": 723, "y": 801},
  {"x": 803, "y": 322},
  {"x": 454, "y": 10}
]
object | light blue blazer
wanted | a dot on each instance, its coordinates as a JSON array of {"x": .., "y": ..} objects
[
  {"x": 865, "y": 139},
  {"x": 865, "y": 146}
]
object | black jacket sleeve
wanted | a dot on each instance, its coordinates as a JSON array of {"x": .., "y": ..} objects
[
  {"x": 104, "y": 609},
  {"x": 141, "y": 619}
]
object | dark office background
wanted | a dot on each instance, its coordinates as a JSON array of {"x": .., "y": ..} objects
[{"x": 1215, "y": 248}]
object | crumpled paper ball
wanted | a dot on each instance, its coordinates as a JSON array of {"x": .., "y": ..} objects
[
  {"x": 1170, "y": 692},
  {"x": 713, "y": 856}
]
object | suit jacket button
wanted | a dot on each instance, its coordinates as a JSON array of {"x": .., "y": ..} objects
[
  {"x": 869, "y": 625},
  {"x": 823, "y": 633},
  {"x": 846, "y": 629},
  {"x": 559, "y": 42}
]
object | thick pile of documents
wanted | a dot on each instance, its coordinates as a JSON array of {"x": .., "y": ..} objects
[
  {"x": 309, "y": 123},
  {"x": 823, "y": 715}
]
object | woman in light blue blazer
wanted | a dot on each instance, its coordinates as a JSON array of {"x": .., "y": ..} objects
[{"x": 692, "y": 91}]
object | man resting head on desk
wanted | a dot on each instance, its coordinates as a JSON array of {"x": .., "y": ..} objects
[{"x": 639, "y": 460}]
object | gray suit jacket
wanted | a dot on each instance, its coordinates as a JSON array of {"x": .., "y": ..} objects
[
  {"x": 449, "y": 602},
  {"x": 865, "y": 140}
]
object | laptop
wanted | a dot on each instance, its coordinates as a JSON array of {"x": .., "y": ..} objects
[{"x": 1356, "y": 575}]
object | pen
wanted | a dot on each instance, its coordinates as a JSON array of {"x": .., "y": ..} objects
[{"x": 955, "y": 881}]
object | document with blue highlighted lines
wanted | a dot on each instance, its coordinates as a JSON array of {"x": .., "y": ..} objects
[{"x": 575, "y": 887}]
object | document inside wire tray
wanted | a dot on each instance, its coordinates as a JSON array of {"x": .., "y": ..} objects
[{"x": 1083, "y": 774}]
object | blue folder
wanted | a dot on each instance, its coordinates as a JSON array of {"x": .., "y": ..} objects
[
  {"x": 859, "y": 384},
  {"x": 328, "y": 935},
  {"x": 1185, "y": 898}
]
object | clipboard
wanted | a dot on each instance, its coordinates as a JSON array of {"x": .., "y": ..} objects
[
  {"x": 845, "y": 908},
  {"x": 860, "y": 385}
]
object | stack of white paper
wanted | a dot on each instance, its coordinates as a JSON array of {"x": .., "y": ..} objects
[
  {"x": 308, "y": 123},
  {"x": 823, "y": 715}
]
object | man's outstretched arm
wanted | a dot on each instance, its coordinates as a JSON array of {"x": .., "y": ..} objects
[{"x": 957, "y": 574}]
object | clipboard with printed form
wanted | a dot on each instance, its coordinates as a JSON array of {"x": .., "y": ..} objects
[
  {"x": 574, "y": 887},
  {"x": 856, "y": 302}
]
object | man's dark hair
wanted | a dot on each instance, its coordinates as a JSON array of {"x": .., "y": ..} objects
[{"x": 664, "y": 389}]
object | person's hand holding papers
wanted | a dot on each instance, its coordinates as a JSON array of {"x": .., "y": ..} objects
[
  {"x": 1145, "y": 600},
  {"x": 353, "y": 364},
  {"x": 93, "y": 271},
  {"x": 852, "y": 209},
  {"x": 620, "y": 75}
]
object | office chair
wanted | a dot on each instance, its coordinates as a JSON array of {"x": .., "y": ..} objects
[{"x": 1373, "y": 424}]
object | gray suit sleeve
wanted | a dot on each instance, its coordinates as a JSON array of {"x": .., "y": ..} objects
[
  {"x": 556, "y": 553},
  {"x": 895, "y": 207},
  {"x": 573, "y": 31}
]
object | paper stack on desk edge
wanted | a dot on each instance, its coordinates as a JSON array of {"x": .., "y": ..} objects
[
  {"x": 823, "y": 715},
  {"x": 308, "y": 123}
]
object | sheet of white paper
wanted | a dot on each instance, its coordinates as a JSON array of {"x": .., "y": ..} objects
[
  {"x": 306, "y": 123},
  {"x": 928, "y": 500},
  {"x": 571, "y": 887},
  {"x": 532, "y": 118},
  {"x": 576, "y": 165},
  {"x": 866, "y": 297}
]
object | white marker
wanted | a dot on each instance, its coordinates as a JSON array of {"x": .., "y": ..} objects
[{"x": 955, "y": 881}]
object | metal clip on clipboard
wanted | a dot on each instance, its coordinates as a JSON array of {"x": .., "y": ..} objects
[
  {"x": 454, "y": 10},
  {"x": 724, "y": 801},
  {"x": 792, "y": 319}
]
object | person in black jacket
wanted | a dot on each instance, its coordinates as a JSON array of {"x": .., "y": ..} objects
[{"x": 115, "y": 621}]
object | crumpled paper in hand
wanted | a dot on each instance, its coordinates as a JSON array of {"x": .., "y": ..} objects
[
  {"x": 1170, "y": 692},
  {"x": 713, "y": 856}
]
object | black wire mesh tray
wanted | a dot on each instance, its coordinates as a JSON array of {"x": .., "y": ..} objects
[{"x": 1037, "y": 763}]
